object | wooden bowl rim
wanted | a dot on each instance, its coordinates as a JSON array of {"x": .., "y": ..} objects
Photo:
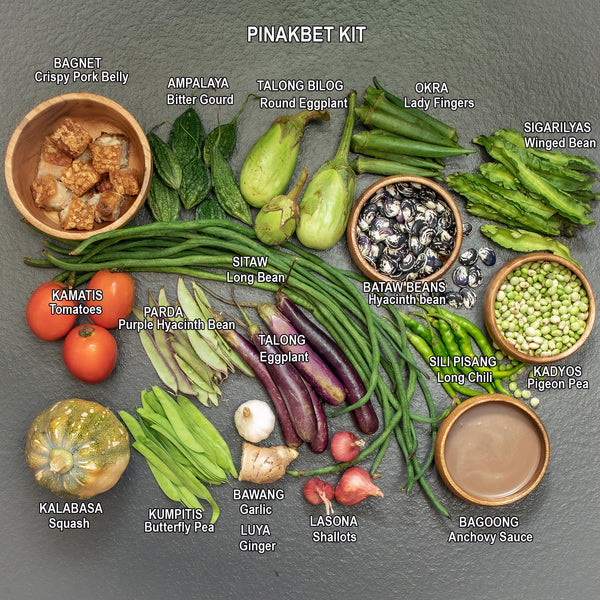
[
  {"x": 352, "y": 240},
  {"x": 40, "y": 109},
  {"x": 490, "y": 299},
  {"x": 450, "y": 420}
]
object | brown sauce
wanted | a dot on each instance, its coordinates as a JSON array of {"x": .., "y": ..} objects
[{"x": 493, "y": 450}]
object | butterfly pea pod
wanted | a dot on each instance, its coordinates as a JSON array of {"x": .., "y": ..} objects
[
  {"x": 223, "y": 454},
  {"x": 174, "y": 417},
  {"x": 200, "y": 463},
  {"x": 170, "y": 490},
  {"x": 150, "y": 402},
  {"x": 180, "y": 476}
]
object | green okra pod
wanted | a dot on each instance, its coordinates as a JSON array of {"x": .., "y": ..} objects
[
  {"x": 440, "y": 126},
  {"x": 415, "y": 161},
  {"x": 388, "y": 167},
  {"x": 397, "y": 144}
]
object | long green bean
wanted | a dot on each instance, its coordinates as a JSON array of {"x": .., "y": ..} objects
[{"x": 204, "y": 250}]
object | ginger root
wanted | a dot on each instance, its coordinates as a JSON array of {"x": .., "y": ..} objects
[{"x": 265, "y": 465}]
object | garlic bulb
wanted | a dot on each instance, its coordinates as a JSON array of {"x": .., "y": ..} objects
[{"x": 254, "y": 420}]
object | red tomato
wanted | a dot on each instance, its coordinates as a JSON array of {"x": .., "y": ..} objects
[
  {"x": 118, "y": 297},
  {"x": 90, "y": 353},
  {"x": 42, "y": 312}
]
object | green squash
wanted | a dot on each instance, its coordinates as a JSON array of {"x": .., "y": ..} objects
[{"x": 77, "y": 448}]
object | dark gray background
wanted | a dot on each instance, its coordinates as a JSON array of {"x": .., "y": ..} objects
[{"x": 519, "y": 61}]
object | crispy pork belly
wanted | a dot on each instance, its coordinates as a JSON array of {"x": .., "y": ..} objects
[
  {"x": 80, "y": 177},
  {"x": 110, "y": 152},
  {"x": 49, "y": 193},
  {"x": 108, "y": 206},
  {"x": 106, "y": 158},
  {"x": 125, "y": 182},
  {"x": 78, "y": 214},
  {"x": 104, "y": 185},
  {"x": 86, "y": 156},
  {"x": 52, "y": 160},
  {"x": 71, "y": 138}
]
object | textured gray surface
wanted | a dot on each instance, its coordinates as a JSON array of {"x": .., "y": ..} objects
[{"x": 531, "y": 60}]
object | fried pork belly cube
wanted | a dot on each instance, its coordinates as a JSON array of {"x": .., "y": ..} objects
[
  {"x": 80, "y": 177},
  {"x": 110, "y": 152},
  {"x": 86, "y": 157},
  {"x": 71, "y": 138},
  {"x": 79, "y": 214},
  {"x": 49, "y": 193},
  {"x": 104, "y": 185},
  {"x": 106, "y": 158},
  {"x": 125, "y": 182},
  {"x": 52, "y": 160},
  {"x": 108, "y": 206}
]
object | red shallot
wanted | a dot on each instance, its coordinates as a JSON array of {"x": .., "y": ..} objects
[
  {"x": 317, "y": 491},
  {"x": 345, "y": 446},
  {"x": 354, "y": 486}
]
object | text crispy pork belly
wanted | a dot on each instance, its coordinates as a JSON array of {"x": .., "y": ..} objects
[
  {"x": 71, "y": 138},
  {"x": 50, "y": 194}
]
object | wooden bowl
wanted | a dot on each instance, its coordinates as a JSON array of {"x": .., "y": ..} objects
[
  {"x": 490, "y": 299},
  {"x": 370, "y": 271},
  {"x": 96, "y": 114},
  {"x": 459, "y": 443}
]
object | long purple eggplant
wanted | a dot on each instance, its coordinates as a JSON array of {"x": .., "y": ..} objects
[
  {"x": 250, "y": 356},
  {"x": 364, "y": 416},
  {"x": 315, "y": 371},
  {"x": 321, "y": 441},
  {"x": 289, "y": 382}
]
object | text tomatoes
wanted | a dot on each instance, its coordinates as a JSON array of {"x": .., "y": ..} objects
[
  {"x": 115, "y": 294},
  {"x": 44, "y": 312},
  {"x": 90, "y": 353}
]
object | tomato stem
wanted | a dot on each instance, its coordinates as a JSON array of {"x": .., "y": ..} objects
[{"x": 86, "y": 331}]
